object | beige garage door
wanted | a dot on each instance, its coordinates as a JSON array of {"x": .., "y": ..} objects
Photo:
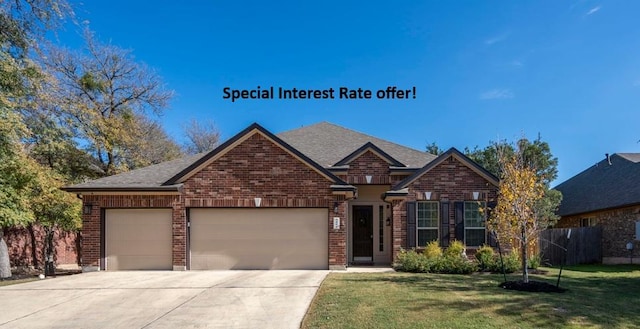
[
  {"x": 138, "y": 239},
  {"x": 259, "y": 239}
]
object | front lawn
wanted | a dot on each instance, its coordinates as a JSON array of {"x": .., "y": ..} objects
[{"x": 598, "y": 297}]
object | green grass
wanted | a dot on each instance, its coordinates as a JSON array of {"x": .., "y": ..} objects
[
  {"x": 598, "y": 297},
  {"x": 16, "y": 281}
]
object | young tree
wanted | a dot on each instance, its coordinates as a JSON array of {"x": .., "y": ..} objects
[
  {"x": 525, "y": 205},
  {"x": 101, "y": 92},
  {"x": 202, "y": 136}
]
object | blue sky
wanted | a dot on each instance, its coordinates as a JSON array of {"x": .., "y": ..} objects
[{"x": 483, "y": 70}]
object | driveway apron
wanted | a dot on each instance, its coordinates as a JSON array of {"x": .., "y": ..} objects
[{"x": 157, "y": 299}]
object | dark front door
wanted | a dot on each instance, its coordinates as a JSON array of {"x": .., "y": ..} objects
[{"x": 362, "y": 233}]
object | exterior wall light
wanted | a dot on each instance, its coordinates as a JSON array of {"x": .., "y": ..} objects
[{"x": 86, "y": 209}]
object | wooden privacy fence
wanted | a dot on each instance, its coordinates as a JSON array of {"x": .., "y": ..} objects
[{"x": 585, "y": 245}]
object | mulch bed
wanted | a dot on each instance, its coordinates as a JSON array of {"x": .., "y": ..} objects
[{"x": 531, "y": 286}]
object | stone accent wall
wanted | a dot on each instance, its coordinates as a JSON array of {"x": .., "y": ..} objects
[
  {"x": 618, "y": 228},
  {"x": 450, "y": 181}
]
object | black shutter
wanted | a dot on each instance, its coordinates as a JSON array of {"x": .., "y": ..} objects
[
  {"x": 491, "y": 239},
  {"x": 459, "y": 209},
  {"x": 444, "y": 224},
  {"x": 411, "y": 225}
]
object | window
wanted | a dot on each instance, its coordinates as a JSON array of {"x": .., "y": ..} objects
[
  {"x": 584, "y": 222},
  {"x": 474, "y": 224},
  {"x": 427, "y": 222}
]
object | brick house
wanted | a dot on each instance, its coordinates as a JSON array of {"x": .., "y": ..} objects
[
  {"x": 606, "y": 194},
  {"x": 318, "y": 197}
]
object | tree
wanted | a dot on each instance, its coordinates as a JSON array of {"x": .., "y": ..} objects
[
  {"x": 101, "y": 92},
  {"x": 201, "y": 137},
  {"x": 151, "y": 144},
  {"x": 22, "y": 24},
  {"x": 525, "y": 204},
  {"x": 53, "y": 209},
  {"x": 434, "y": 149},
  {"x": 536, "y": 154}
]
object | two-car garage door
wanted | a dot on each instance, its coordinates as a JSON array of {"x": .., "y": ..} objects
[
  {"x": 263, "y": 238},
  {"x": 282, "y": 238}
]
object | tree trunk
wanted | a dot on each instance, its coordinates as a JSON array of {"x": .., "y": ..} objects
[
  {"x": 5, "y": 265},
  {"x": 34, "y": 246},
  {"x": 525, "y": 271},
  {"x": 49, "y": 268}
]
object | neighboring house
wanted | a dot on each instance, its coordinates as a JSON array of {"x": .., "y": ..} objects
[
  {"x": 608, "y": 195},
  {"x": 318, "y": 197}
]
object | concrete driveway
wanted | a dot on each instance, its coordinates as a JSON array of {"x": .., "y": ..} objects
[{"x": 155, "y": 299}]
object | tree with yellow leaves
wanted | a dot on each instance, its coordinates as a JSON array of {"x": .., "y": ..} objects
[{"x": 525, "y": 204}]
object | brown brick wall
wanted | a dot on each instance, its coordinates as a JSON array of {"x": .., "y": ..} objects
[
  {"x": 618, "y": 228},
  {"x": 254, "y": 168},
  {"x": 368, "y": 163},
  {"x": 91, "y": 237},
  {"x": 450, "y": 181},
  {"x": 26, "y": 247}
]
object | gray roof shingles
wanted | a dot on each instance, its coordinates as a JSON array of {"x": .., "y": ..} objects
[
  {"x": 324, "y": 143},
  {"x": 327, "y": 143},
  {"x": 146, "y": 177},
  {"x": 602, "y": 186}
]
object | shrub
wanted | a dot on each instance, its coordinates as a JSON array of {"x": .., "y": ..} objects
[
  {"x": 454, "y": 265},
  {"x": 511, "y": 262},
  {"x": 485, "y": 257},
  {"x": 411, "y": 261},
  {"x": 534, "y": 261},
  {"x": 456, "y": 248},
  {"x": 432, "y": 250}
]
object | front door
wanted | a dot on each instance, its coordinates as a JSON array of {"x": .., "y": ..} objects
[{"x": 362, "y": 233}]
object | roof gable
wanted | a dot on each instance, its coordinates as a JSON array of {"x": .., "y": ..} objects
[
  {"x": 602, "y": 186},
  {"x": 328, "y": 144},
  {"x": 375, "y": 150},
  {"x": 239, "y": 139},
  {"x": 452, "y": 152}
]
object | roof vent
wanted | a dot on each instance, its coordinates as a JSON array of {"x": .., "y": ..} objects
[{"x": 608, "y": 158}]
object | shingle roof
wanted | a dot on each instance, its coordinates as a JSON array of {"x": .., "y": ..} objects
[
  {"x": 327, "y": 143},
  {"x": 602, "y": 186},
  {"x": 148, "y": 177},
  {"x": 324, "y": 143}
]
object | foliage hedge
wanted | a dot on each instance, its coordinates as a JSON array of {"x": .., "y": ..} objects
[{"x": 454, "y": 261}]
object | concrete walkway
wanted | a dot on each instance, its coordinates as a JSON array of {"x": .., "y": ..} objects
[{"x": 157, "y": 299}]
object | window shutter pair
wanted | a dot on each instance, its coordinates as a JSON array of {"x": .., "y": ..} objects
[{"x": 412, "y": 225}]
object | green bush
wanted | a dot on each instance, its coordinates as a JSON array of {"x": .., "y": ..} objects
[
  {"x": 511, "y": 262},
  {"x": 534, "y": 261},
  {"x": 411, "y": 261},
  {"x": 485, "y": 257},
  {"x": 432, "y": 250},
  {"x": 456, "y": 248},
  {"x": 454, "y": 265}
]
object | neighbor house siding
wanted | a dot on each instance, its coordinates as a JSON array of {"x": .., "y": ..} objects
[
  {"x": 451, "y": 181},
  {"x": 618, "y": 228}
]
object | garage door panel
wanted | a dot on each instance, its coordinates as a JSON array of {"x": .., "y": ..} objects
[
  {"x": 293, "y": 238},
  {"x": 138, "y": 239}
]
